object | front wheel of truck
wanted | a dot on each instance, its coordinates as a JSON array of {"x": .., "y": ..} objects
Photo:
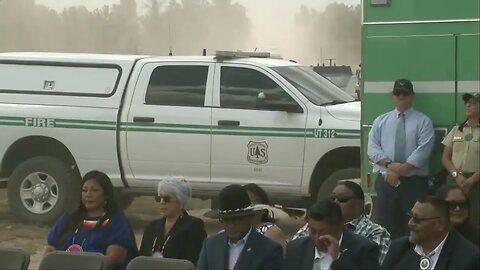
[{"x": 42, "y": 188}]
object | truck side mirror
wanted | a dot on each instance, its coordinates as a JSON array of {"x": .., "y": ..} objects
[{"x": 277, "y": 105}]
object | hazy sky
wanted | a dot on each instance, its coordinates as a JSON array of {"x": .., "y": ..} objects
[
  {"x": 272, "y": 20},
  {"x": 260, "y": 6}
]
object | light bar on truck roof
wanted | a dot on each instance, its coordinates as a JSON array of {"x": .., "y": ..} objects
[{"x": 239, "y": 54}]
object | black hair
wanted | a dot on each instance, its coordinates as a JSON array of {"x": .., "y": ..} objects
[
  {"x": 440, "y": 206},
  {"x": 79, "y": 214},
  {"x": 442, "y": 192},
  {"x": 461, "y": 126},
  {"x": 259, "y": 192},
  {"x": 263, "y": 199},
  {"x": 327, "y": 211},
  {"x": 355, "y": 188}
]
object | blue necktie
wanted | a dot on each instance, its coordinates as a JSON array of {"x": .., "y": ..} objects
[{"x": 400, "y": 139}]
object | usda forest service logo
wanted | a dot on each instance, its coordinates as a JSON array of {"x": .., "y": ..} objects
[{"x": 257, "y": 152}]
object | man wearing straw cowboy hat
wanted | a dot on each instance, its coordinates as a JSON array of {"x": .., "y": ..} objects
[{"x": 239, "y": 247}]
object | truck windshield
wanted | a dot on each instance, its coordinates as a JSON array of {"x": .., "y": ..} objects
[{"x": 313, "y": 86}]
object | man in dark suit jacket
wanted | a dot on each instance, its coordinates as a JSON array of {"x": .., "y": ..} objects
[
  {"x": 239, "y": 247},
  {"x": 259, "y": 253},
  {"x": 432, "y": 243},
  {"x": 328, "y": 246}
]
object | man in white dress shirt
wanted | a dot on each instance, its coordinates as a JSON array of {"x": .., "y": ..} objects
[
  {"x": 329, "y": 245},
  {"x": 432, "y": 244}
]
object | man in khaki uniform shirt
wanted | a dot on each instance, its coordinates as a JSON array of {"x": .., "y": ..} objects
[{"x": 461, "y": 155}]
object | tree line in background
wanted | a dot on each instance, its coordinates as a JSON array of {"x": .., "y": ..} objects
[
  {"x": 193, "y": 24},
  {"x": 187, "y": 26},
  {"x": 333, "y": 33}
]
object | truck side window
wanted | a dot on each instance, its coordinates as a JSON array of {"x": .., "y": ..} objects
[
  {"x": 239, "y": 88},
  {"x": 177, "y": 86}
]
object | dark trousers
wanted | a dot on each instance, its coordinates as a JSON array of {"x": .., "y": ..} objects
[{"x": 395, "y": 202}]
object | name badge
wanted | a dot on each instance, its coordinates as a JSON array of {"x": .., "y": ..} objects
[{"x": 74, "y": 248}]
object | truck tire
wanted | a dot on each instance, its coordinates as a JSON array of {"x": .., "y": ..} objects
[
  {"x": 42, "y": 188},
  {"x": 329, "y": 184}
]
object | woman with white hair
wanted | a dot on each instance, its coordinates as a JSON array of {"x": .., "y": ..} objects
[{"x": 176, "y": 235}]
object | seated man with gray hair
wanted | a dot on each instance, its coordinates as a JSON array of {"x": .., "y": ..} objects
[
  {"x": 432, "y": 243},
  {"x": 176, "y": 235}
]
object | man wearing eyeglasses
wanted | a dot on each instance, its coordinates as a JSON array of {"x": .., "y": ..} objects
[
  {"x": 351, "y": 199},
  {"x": 329, "y": 245},
  {"x": 400, "y": 144},
  {"x": 432, "y": 244}
]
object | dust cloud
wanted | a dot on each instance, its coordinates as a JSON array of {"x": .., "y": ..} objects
[{"x": 308, "y": 31}]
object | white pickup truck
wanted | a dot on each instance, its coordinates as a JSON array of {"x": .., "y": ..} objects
[{"x": 216, "y": 120}]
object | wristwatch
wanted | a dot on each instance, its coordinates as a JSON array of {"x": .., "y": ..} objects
[
  {"x": 454, "y": 174},
  {"x": 388, "y": 162}
]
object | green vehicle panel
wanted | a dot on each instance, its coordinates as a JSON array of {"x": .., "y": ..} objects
[{"x": 435, "y": 44}]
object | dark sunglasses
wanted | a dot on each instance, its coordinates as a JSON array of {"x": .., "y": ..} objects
[
  {"x": 334, "y": 198},
  {"x": 398, "y": 92},
  {"x": 460, "y": 204},
  {"x": 165, "y": 198},
  {"x": 471, "y": 103},
  {"x": 418, "y": 220}
]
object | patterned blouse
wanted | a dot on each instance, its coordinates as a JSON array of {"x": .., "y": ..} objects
[{"x": 265, "y": 227}]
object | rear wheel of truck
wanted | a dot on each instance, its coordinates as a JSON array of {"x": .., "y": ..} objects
[
  {"x": 42, "y": 188},
  {"x": 329, "y": 184}
]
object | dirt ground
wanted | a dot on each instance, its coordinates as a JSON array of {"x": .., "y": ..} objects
[{"x": 32, "y": 237}]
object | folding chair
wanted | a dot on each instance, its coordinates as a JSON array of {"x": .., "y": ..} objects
[
  {"x": 61, "y": 260},
  {"x": 14, "y": 258},
  {"x": 150, "y": 263}
]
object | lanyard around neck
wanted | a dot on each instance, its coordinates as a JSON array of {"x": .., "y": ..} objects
[
  {"x": 163, "y": 246},
  {"x": 100, "y": 220}
]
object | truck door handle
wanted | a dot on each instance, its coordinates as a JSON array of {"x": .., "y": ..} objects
[
  {"x": 228, "y": 123},
  {"x": 141, "y": 119}
]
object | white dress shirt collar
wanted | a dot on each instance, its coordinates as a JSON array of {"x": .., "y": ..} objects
[
  {"x": 406, "y": 112},
  {"x": 434, "y": 255},
  {"x": 241, "y": 241},
  {"x": 235, "y": 249},
  {"x": 323, "y": 260}
]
